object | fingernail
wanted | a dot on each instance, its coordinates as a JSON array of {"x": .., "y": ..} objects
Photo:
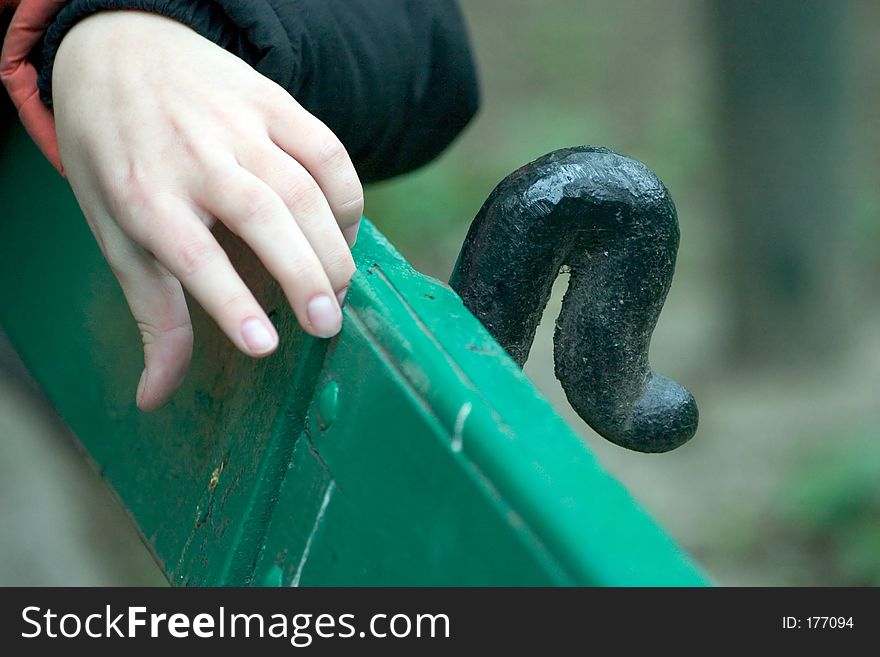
[
  {"x": 324, "y": 316},
  {"x": 340, "y": 296},
  {"x": 256, "y": 336},
  {"x": 351, "y": 234},
  {"x": 142, "y": 384}
]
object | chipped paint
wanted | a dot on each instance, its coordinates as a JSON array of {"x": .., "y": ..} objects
[
  {"x": 328, "y": 494},
  {"x": 458, "y": 429}
]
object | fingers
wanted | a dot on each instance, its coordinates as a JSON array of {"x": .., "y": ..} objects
[
  {"x": 311, "y": 143},
  {"x": 185, "y": 246},
  {"x": 159, "y": 308},
  {"x": 255, "y": 212},
  {"x": 147, "y": 171},
  {"x": 306, "y": 203}
]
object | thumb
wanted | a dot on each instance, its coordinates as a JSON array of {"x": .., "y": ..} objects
[{"x": 158, "y": 305}]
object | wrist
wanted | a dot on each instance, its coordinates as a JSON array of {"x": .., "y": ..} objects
[
  {"x": 108, "y": 33},
  {"x": 99, "y": 50},
  {"x": 108, "y": 29}
]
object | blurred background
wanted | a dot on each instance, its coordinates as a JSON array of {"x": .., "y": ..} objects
[{"x": 763, "y": 120}]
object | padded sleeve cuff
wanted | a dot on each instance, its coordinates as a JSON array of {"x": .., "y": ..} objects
[{"x": 250, "y": 30}]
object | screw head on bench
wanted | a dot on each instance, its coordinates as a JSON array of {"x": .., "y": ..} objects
[{"x": 328, "y": 402}]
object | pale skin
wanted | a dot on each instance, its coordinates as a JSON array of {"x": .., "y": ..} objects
[{"x": 163, "y": 133}]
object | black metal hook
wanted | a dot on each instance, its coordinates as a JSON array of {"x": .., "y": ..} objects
[{"x": 611, "y": 223}]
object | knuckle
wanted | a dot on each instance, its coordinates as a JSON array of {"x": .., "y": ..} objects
[
  {"x": 204, "y": 154},
  {"x": 138, "y": 197},
  {"x": 130, "y": 186},
  {"x": 256, "y": 206},
  {"x": 237, "y": 301},
  {"x": 301, "y": 276},
  {"x": 340, "y": 261},
  {"x": 332, "y": 154},
  {"x": 134, "y": 196},
  {"x": 194, "y": 255},
  {"x": 152, "y": 330},
  {"x": 270, "y": 90},
  {"x": 302, "y": 192},
  {"x": 133, "y": 209},
  {"x": 277, "y": 102}
]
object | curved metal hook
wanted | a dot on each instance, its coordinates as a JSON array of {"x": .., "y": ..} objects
[{"x": 609, "y": 221}]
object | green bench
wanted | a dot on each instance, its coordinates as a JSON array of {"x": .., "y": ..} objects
[{"x": 409, "y": 450}]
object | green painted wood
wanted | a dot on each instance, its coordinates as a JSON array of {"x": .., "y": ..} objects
[{"x": 408, "y": 450}]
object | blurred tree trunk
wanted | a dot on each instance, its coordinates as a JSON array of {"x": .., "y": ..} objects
[{"x": 784, "y": 134}]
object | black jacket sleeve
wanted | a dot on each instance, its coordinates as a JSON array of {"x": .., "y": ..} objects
[{"x": 394, "y": 79}]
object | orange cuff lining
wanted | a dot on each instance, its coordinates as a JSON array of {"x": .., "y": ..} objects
[{"x": 29, "y": 22}]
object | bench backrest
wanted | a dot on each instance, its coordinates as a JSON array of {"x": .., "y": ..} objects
[{"x": 408, "y": 450}]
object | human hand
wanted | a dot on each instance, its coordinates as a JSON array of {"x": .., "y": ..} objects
[{"x": 162, "y": 133}]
